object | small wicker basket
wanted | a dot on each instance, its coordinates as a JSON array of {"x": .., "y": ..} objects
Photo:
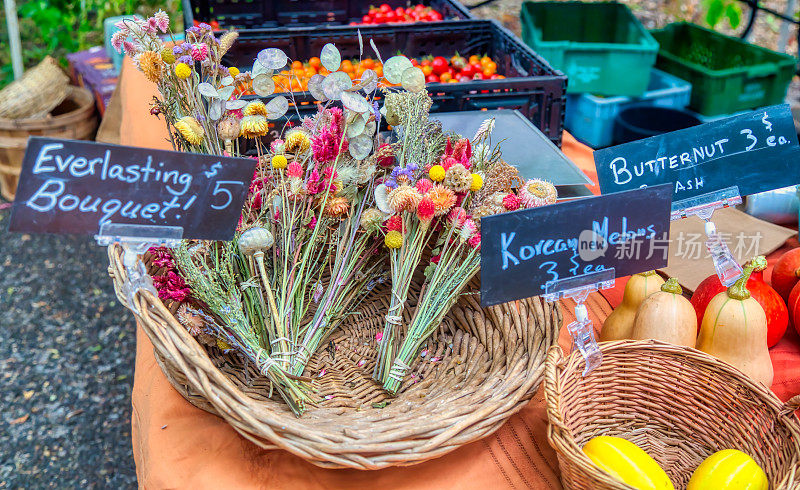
[
  {"x": 481, "y": 367},
  {"x": 678, "y": 404}
]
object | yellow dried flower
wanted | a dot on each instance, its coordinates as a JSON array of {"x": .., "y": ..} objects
[
  {"x": 256, "y": 108},
  {"x": 183, "y": 71},
  {"x": 336, "y": 206},
  {"x": 477, "y": 183},
  {"x": 254, "y": 126},
  {"x": 297, "y": 141},
  {"x": 222, "y": 345},
  {"x": 190, "y": 129},
  {"x": 404, "y": 198},
  {"x": 458, "y": 178},
  {"x": 233, "y": 71},
  {"x": 437, "y": 173},
  {"x": 279, "y": 162},
  {"x": 150, "y": 64},
  {"x": 443, "y": 199},
  {"x": 393, "y": 239},
  {"x": 168, "y": 56},
  {"x": 226, "y": 41}
]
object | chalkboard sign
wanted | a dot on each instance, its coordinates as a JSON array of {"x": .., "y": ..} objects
[
  {"x": 73, "y": 187},
  {"x": 523, "y": 250},
  {"x": 757, "y": 152}
]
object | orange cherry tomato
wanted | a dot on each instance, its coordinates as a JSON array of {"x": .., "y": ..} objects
[
  {"x": 474, "y": 59},
  {"x": 310, "y": 72},
  {"x": 347, "y": 66},
  {"x": 427, "y": 70},
  {"x": 314, "y": 62},
  {"x": 487, "y": 73},
  {"x": 445, "y": 77},
  {"x": 378, "y": 69},
  {"x": 491, "y": 65},
  {"x": 323, "y": 71},
  {"x": 296, "y": 65},
  {"x": 452, "y": 80},
  {"x": 485, "y": 61},
  {"x": 368, "y": 63}
]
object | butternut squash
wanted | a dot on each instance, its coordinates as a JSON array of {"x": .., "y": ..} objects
[
  {"x": 666, "y": 315},
  {"x": 734, "y": 329},
  {"x": 619, "y": 323}
]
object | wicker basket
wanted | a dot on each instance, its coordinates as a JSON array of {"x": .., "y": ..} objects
[
  {"x": 481, "y": 367},
  {"x": 678, "y": 404}
]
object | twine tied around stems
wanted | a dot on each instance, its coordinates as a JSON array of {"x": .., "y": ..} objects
[
  {"x": 282, "y": 355},
  {"x": 398, "y": 370},
  {"x": 393, "y": 317}
]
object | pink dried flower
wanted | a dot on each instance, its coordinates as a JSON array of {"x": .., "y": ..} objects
[
  {"x": 122, "y": 25},
  {"x": 426, "y": 209},
  {"x": 457, "y": 216},
  {"x": 275, "y": 145},
  {"x": 150, "y": 26},
  {"x": 199, "y": 52},
  {"x": 448, "y": 162},
  {"x": 171, "y": 286},
  {"x": 313, "y": 186},
  {"x": 436, "y": 258},
  {"x": 313, "y": 222},
  {"x": 129, "y": 48},
  {"x": 475, "y": 241},
  {"x": 117, "y": 39},
  {"x": 294, "y": 170},
  {"x": 511, "y": 202},
  {"x": 424, "y": 185},
  {"x": 379, "y": 336},
  {"x": 162, "y": 20},
  {"x": 162, "y": 257}
]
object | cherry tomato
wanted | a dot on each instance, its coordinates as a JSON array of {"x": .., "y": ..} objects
[
  {"x": 435, "y": 16},
  {"x": 427, "y": 70},
  {"x": 367, "y": 19},
  {"x": 414, "y": 62},
  {"x": 296, "y": 65},
  {"x": 385, "y": 8},
  {"x": 439, "y": 65},
  {"x": 487, "y": 73},
  {"x": 445, "y": 77},
  {"x": 468, "y": 71},
  {"x": 485, "y": 61},
  {"x": 492, "y": 66},
  {"x": 368, "y": 63},
  {"x": 347, "y": 66},
  {"x": 474, "y": 59},
  {"x": 314, "y": 62},
  {"x": 432, "y": 79},
  {"x": 391, "y": 16},
  {"x": 477, "y": 76},
  {"x": 426, "y": 62},
  {"x": 214, "y": 25},
  {"x": 379, "y": 18},
  {"x": 452, "y": 80},
  {"x": 476, "y": 67}
]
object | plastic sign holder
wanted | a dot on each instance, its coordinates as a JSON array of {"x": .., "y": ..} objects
[
  {"x": 703, "y": 206},
  {"x": 578, "y": 288},
  {"x": 136, "y": 240}
]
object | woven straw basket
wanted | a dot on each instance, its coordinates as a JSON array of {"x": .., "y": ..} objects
[
  {"x": 482, "y": 366},
  {"x": 678, "y": 404}
]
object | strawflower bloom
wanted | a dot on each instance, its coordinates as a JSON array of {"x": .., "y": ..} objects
[
  {"x": 538, "y": 192},
  {"x": 294, "y": 170},
  {"x": 511, "y": 202},
  {"x": 394, "y": 223},
  {"x": 426, "y": 209},
  {"x": 255, "y": 108},
  {"x": 190, "y": 129},
  {"x": 162, "y": 20},
  {"x": 443, "y": 199},
  {"x": 254, "y": 126},
  {"x": 423, "y": 186}
]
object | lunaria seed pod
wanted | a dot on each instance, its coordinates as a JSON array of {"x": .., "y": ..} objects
[
  {"x": 255, "y": 240},
  {"x": 229, "y": 128}
]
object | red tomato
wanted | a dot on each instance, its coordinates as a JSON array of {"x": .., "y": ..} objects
[
  {"x": 366, "y": 19},
  {"x": 385, "y": 7},
  {"x": 214, "y": 25},
  {"x": 439, "y": 65},
  {"x": 379, "y": 18},
  {"x": 426, "y": 62},
  {"x": 468, "y": 71},
  {"x": 435, "y": 16},
  {"x": 478, "y": 76},
  {"x": 432, "y": 79},
  {"x": 391, "y": 16}
]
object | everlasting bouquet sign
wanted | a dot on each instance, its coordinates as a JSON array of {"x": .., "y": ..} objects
[{"x": 333, "y": 209}]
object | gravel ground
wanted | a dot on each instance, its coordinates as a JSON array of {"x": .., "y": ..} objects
[{"x": 66, "y": 359}]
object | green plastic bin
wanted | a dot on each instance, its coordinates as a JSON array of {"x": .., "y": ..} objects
[
  {"x": 727, "y": 74},
  {"x": 601, "y": 47}
]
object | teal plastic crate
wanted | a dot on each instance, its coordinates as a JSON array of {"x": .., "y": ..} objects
[
  {"x": 601, "y": 46},
  {"x": 590, "y": 118},
  {"x": 727, "y": 74}
]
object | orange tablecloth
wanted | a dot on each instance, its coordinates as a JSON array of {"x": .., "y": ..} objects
[{"x": 176, "y": 445}]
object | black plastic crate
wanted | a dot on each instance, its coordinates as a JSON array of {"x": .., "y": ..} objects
[
  {"x": 255, "y": 14},
  {"x": 532, "y": 86}
]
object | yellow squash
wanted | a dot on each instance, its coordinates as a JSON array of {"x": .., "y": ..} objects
[
  {"x": 627, "y": 462},
  {"x": 619, "y": 323},
  {"x": 728, "y": 469}
]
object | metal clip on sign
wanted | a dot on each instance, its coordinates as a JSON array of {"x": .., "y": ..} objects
[
  {"x": 578, "y": 288},
  {"x": 728, "y": 270},
  {"x": 136, "y": 240}
]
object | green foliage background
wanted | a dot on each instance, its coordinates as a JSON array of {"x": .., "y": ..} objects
[{"x": 58, "y": 27}]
